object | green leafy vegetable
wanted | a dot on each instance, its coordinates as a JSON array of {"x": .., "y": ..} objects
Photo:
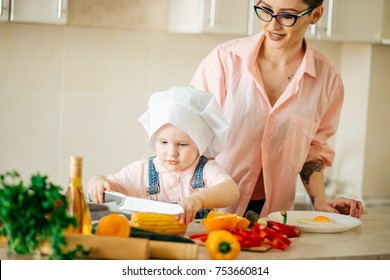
[{"x": 30, "y": 215}]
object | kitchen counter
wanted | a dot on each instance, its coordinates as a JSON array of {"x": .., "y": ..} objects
[{"x": 370, "y": 240}]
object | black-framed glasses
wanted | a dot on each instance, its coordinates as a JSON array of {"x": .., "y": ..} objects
[{"x": 284, "y": 19}]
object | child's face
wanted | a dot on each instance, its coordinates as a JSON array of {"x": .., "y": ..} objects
[{"x": 175, "y": 148}]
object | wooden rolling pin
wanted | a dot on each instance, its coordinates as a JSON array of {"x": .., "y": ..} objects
[
  {"x": 173, "y": 250},
  {"x": 103, "y": 247}
]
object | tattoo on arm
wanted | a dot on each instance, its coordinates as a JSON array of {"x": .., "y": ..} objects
[
  {"x": 308, "y": 169},
  {"x": 312, "y": 199}
]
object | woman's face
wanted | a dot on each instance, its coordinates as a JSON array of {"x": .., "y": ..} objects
[
  {"x": 279, "y": 36},
  {"x": 175, "y": 148}
]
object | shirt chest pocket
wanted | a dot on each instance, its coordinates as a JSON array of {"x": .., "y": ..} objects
[{"x": 300, "y": 133}]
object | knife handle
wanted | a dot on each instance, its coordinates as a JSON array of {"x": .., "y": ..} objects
[
  {"x": 113, "y": 197},
  {"x": 89, "y": 199}
]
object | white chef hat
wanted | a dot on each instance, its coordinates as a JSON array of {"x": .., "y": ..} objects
[{"x": 195, "y": 112}]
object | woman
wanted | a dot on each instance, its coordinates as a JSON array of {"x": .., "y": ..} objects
[{"x": 282, "y": 99}]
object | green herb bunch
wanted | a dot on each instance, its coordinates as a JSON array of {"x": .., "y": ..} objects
[{"x": 30, "y": 215}]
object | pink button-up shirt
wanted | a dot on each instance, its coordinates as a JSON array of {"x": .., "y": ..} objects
[
  {"x": 278, "y": 139},
  {"x": 133, "y": 180}
]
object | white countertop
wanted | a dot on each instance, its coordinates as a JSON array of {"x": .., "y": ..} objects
[{"x": 370, "y": 240}]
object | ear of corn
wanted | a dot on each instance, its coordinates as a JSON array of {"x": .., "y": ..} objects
[{"x": 160, "y": 223}]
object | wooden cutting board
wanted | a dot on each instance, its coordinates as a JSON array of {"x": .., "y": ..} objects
[
  {"x": 197, "y": 227},
  {"x": 106, "y": 247},
  {"x": 262, "y": 248},
  {"x": 3, "y": 241},
  {"x": 119, "y": 248}
]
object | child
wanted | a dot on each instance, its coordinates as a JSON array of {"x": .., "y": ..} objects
[{"x": 186, "y": 130}]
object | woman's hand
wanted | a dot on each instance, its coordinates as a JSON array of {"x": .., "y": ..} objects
[
  {"x": 96, "y": 187},
  {"x": 341, "y": 205},
  {"x": 191, "y": 206}
]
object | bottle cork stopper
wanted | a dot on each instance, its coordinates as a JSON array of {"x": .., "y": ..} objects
[{"x": 76, "y": 163}]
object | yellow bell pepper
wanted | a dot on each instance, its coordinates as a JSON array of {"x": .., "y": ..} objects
[{"x": 222, "y": 245}]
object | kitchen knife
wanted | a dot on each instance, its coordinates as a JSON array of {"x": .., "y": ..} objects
[{"x": 134, "y": 204}]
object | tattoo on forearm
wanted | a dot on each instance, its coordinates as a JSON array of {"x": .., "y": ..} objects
[
  {"x": 309, "y": 168},
  {"x": 312, "y": 199}
]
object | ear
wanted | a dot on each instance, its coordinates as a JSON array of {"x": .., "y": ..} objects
[{"x": 316, "y": 14}]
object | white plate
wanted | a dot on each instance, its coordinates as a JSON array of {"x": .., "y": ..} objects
[{"x": 339, "y": 223}]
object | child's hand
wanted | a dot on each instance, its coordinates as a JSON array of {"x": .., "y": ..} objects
[
  {"x": 96, "y": 187},
  {"x": 191, "y": 205}
]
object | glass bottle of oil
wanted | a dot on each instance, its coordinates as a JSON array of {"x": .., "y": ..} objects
[{"x": 77, "y": 204}]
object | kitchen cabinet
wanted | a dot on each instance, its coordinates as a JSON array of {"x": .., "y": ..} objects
[
  {"x": 353, "y": 21},
  {"x": 209, "y": 16},
  {"x": 4, "y": 10},
  {"x": 37, "y": 11}
]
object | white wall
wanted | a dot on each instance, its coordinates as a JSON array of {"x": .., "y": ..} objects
[
  {"x": 80, "y": 90},
  {"x": 351, "y": 136},
  {"x": 376, "y": 183},
  {"x": 73, "y": 90}
]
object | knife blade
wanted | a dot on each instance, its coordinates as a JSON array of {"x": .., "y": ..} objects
[{"x": 135, "y": 204}]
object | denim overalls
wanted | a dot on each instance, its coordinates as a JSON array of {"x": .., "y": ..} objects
[{"x": 197, "y": 182}]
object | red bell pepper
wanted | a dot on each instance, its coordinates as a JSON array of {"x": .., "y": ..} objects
[
  {"x": 271, "y": 234},
  {"x": 201, "y": 236},
  {"x": 257, "y": 235},
  {"x": 277, "y": 244},
  {"x": 247, "y": 238},
  {"x": 288, "y": 230}
]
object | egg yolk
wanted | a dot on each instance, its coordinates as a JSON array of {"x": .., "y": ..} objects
[{"x": 322, "y": 219}]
